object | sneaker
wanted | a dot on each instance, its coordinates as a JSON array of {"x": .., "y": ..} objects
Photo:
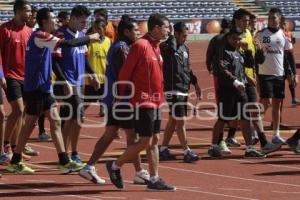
[
  {"x": 76, "y": 158},
  {"x": 294, "y": 145},
  {"x": 224, "y": 149},
  {"x": 215, "y": 152},
  {"x": 44, "y": 137},
  {"x": 253, "y": 154},
  {"x": 19, "y": 168},
  {"x": 166, "y": 155},
  {"x": 270, "y": 147},
  {"x": 295, "y": 102},
  {"x": 114, "y": 175},
  {"x": 190, "y": 156},
  {"x": 278, "y": 140},
  {"x": 160, "y": 185},
  {"x": 89, "y": 173},
  {"x": 71, "y": 166},
  {"x": 29, "y": 151},
  {"x": 232, "y": 142},
  {"x": 4, "y": 159},
  {"x": 142, "y": 177}
]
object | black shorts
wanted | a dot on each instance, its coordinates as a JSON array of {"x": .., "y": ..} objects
[
  {"x": 232, "y": 105},
  {"x": 92, "y": 95},
  {"x": 177, "y": 105},
  {"x": 14, "y": 89},
  {"x": 251, "y": 93},
  {"x": 121, "y": 116},
  {"x": 271, "y": 86},
  {"x": 1, "y": 97},
  {"x": 73, "y": 109},
  {"x": 147, "y": 121},
  {"x": 37, "y": 102}
]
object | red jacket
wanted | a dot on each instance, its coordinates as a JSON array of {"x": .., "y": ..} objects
[{"x": 143, "y": 67}]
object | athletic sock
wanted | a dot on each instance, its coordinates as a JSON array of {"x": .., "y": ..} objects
[
  {"x": 16, "y": 158},
  {"x": 231, "y": 132},
  {"x": 262, "y": 139},
  {"x": 249, "y": 147},
  {"x": 153, "y": 179},
  {"x": 186, "y": 151},
  {"x": 276, "y": 133},
  {"x": 63, "y": 158},
  {"x": 115, "y": 166}
]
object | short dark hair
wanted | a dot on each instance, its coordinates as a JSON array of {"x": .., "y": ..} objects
[
  {"x": 276, "y": 11},
  {"x": 240, "y": 13},
  {"x": 101, "y": 11},
  {"x": 234, "y": 30},
  {"x": 156, "y": 19},
  {"x": 19, "y": 5},
  {"x": 252, "y": 16},
  {"x": 79, "y": 11},
  {"x": 63, "y": 14},
  {"x": 125, "y": 23},
  {"x": 179, "y": 27},
  {"x": 43, "y": 14},
  {"x": 34, "y": 9}
]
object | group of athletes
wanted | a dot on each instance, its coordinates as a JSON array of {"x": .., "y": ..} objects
[{"x": 46, "y": 61}]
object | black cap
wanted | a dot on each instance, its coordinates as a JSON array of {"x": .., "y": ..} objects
[{"x": 226, "y": 23}]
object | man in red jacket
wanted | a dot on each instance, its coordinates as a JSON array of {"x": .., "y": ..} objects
[{"x": 143, "y": 68}]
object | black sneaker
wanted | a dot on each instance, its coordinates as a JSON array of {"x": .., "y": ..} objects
[
  {"x": 190, "y": 157},
  {"x": 214, "y": 152},
  {"x": 160, "y": 185},
  {"x": 166, "y": 155},
  {"x": 253, "y": 154},
  {"x": 294, "y": 145},
  {"x": 114, "y": 175}
]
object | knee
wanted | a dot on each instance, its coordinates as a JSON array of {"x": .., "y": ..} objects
[{"x": 155, "y": 140}]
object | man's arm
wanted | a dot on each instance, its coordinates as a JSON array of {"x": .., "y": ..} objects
[{"x": 129, "y": 65}]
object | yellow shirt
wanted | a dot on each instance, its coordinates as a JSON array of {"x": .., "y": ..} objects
[
  {"x": 97, "y": 54},
  {"x": 249, "y": 40}
]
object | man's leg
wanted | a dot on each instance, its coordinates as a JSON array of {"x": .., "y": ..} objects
[
  {"x": 164, "y": 152},
  {"x": 276, "y": 113}
]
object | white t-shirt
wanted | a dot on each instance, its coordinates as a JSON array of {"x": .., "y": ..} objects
[{"x": 273, "y": 45}]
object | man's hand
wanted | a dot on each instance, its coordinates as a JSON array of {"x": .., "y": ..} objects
[
  {"x": 251, "y": 81},
  {"x": 292, "y": 80},
  {"x": 68, "y": 90},
  {"x": 3, "y": 83},
  {"x": 94, "y": 36},
  {"x": 239, "y": 85},
  {"x": 95, "y": 81}
]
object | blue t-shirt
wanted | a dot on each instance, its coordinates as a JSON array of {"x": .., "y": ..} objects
[
  {"x": 38, "y": 61},
  {"x": 73, "y": 59},
  {"x": 115, "y": 59}
]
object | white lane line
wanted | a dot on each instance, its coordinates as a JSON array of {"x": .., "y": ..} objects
[
  {"x": 217, "y": 194},
  {"x": 40, "y": 181},
  {"x": 235, "y": 189},
  {"x": 49, "y": 191},
  {"x": 285, "y": 192},
  {"x": 229, "y": 177},
  {"x": 103, "y": 197}
]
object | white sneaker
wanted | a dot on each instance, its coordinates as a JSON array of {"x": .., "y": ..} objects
[
  {"x": 142, "y": 177},
  {"x": 89, "y": 173}
]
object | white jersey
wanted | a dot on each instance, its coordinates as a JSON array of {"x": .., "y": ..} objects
[{"x": 273, "y": 45}]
